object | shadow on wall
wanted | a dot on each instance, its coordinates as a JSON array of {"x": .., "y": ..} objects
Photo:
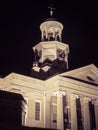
[
  {"x": 7, "y": 127},
  {"x": 49, "y": 69},
  {"x": 11, "y": 108}
]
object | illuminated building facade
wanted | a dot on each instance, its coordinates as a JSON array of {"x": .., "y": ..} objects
[{"x": 55, "y": 97}]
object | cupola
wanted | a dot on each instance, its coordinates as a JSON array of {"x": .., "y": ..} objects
[{"x": 51, "y": 54}]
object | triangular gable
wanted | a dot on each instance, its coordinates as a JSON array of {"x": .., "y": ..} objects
[
  {"x": 86, "y": 74},
  {"x": 22, "y": 83}
]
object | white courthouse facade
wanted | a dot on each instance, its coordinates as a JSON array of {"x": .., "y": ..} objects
[{"x": 55, "y": 97}]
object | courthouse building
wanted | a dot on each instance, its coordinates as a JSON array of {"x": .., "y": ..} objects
[{"x": 56, "y": 98}]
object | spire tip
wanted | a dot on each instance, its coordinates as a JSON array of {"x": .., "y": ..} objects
[{"x": 51, "y": 10}]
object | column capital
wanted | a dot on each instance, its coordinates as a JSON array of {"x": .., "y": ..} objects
[
  {"x": 59, "y": 93},
  {"x": 96, "y": 102},
  {"x": 86, "y": 99},
  {"x": 74, "y": 96}
]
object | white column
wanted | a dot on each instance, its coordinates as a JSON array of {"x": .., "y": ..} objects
[
  {"x": 74, "y": 125},
  {"x": 26, "y": 111},
  {"x": 47, "y": 113},
  {"x": 60, "y": 112},
  {"x": 86, "y": 113},
  {"x": 96, "y": 113},
  {"x": 44, "y": 110}
]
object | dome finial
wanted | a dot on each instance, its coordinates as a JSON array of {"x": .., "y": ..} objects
[{"x": 51, "y": 10}]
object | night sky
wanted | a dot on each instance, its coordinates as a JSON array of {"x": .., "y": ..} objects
[{"x": 19, "y": 32}]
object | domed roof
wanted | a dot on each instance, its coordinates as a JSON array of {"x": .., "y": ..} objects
[
  {"x": 50, "y": 22},
  {"x": 51, "y": 19}
]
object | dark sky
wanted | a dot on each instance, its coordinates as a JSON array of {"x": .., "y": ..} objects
[{"x": 19, "y": 32}]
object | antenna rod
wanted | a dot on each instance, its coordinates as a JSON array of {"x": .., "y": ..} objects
[{"x": 51, "y": 10}]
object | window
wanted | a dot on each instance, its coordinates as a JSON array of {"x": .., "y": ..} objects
[
  {"x": 37, "y": 110},
  {"x": 54, "y": 108}
]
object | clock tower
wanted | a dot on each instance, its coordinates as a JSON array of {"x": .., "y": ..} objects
[{"x": 51, "y": 54}]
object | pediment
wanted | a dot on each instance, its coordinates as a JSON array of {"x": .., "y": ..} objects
[
  {"x": 17, "y": 82},
  {"x": 86, "y": 74}
]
